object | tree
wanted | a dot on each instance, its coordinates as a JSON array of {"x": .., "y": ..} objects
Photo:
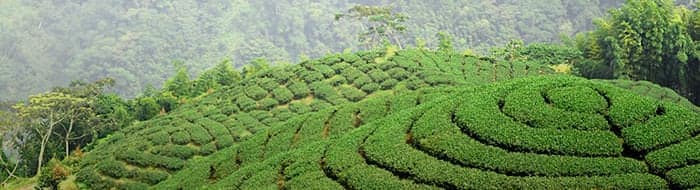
[
  {"x": 180, "y": 84},
  {"x": 382, "y": 24},
  {"x": 445, "y": 42},
  {"x": 145, "y": 108},
  {"x": 255, "y": 67},
  {"x": 112, "y": 113},
  {"x": 642, "y": 40},
  {"x": 78, "y": 111},
  {"x": 510, "y": 52},
  {"x": 225, "y": 74},
  {"x": 44, "y": 112},
  {"x": 8, "y": 122}
]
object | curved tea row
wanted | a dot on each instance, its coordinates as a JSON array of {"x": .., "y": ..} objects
[{"x": 552, "y": 132}]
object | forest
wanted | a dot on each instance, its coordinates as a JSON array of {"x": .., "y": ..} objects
[
  {"x": 234, "y": 94},
  {"x": 135, "y": 42}
]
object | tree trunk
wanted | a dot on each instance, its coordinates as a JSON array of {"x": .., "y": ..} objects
[
  {"x": 67, "y": 137},
  {"x": 44, "y": 140}
]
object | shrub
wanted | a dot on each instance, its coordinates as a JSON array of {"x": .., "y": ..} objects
[
  {"x": 150, "y": 177},
  {"x": 527, "y": 105},
  {"x": 414, "y": 83},
  {"x": 371, "y": 87},
  {"x": 299, "y": 89},
  {"x": 207, "y": 149},
  {"x": 198, "y": 134},
  {"x": 687, "y": 177},
  {"x": 494, "y": 127},
  {"x": 398, "y": 73},
  {"x": 282, "y": 77},
  {"x": 133, "y": 186},
  {"x": 670, "y": 125},
  {"x": 268, "y": 84},
  {"x": 323, "y": 90},
  {"x": 337, "y": 80},
  {"x": 351, "y": 74},
  {"x": 267, "y": 103},
  {"x": 159, "y": 138},
  {"x": 180, "y": 137},
  {"x": 144, "y": 159},
  {"x": 365, "y": 68},
  {"x": 350, "y": 57},
  {"x": 218, "y": 117},
  {"x": 311, "y": 76},
  {"x": 112, "y": 168},
  {"x": 362, "y": 80},
  {"x": 437, "y": 78},
  {"x": 326, "y": 70},
  {"x": 283, "y": 113},
  {"x": 389, "y": 84},
  {"x": 245, "y": 103},
  {"x": 229, "y": 108},
  {"x": 299, "y": 108},
  {"x": 178, "y": 151},
  {"x": 351, "y": 93},
  {"x": 92, "y": 179},
  {"x": 577, "y": 99},
  {"x": 282, "y": 95},
  {"x": 261, "y": 115},
  {"x": 255, "y": 92},
  {"x": 339, "y": 67},
  {"x": 378, "y": 75},
  {"x": 675, "y": 156},
  {"x": 318, "y": 105}
]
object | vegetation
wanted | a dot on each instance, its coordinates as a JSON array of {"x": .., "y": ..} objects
[
  {"x": 625, "y": 46},
  {"x": 191, "y": 133},
  {"x": 443, "y": 143},
  {"x": 393, "y": 116},
  {"x": 134, "y": 42}
]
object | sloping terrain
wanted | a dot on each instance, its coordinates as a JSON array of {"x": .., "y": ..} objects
[
  {"x": 278, "y": 128},
  {"x": 652, "y": 90},
  {"x": 149, "y": 152},
  {"x": 549, "y": 132}
]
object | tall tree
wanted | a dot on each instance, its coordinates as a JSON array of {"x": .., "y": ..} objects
[
  {"x": 643, "y": 40},
  {"x": 44, "y": 113},
  {"x": 180, "y": 85},
  {"x": 380, "y": 24}
]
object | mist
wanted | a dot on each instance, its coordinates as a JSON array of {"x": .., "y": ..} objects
[{"x": 51, "y": 43}]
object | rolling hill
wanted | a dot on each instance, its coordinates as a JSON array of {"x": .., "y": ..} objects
[
  {"x": 577, "y": 134},
  {"x": 408, "y": 119}
]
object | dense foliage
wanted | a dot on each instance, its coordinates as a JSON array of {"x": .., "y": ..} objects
[
  {"x": 233, "y": 115},
  {"x": 391, "y": 117},
  {"x": 625, "y": 45},
  {"x": 50, "y": 43},
  {"x": 466, "y": 138}
]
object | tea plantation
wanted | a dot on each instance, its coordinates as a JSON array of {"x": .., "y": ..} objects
[{"x": 415, "y": 119}]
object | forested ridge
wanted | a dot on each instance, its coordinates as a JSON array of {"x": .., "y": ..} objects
[
  {"x": 135, "y": 42},
  {"x": 351, "y": 95}
]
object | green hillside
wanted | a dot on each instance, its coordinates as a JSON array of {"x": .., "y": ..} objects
[
  {"x": 148, "y": 152},
  {"x": 652, "y": 90},
  {"x": 288, "y": 118},
  {"x": 420, "y": 98},
  {"x": 576, "y": 134}
]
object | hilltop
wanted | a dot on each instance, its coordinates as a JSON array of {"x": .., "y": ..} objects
[
  {"x": 265, "y": 124},
  {"x": 147, "y": 152},
  {"x": 577, "y": 134}
]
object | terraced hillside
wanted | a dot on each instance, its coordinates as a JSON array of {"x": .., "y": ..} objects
[
  {"x": 149, "y": 152},
  {"x": 548, "y": 132},
  {"x": 649, "y": 89}
]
